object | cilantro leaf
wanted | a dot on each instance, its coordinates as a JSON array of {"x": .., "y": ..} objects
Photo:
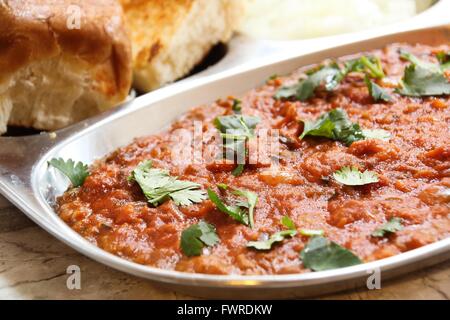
[
  {"x": 195, "y": 237},
  {"x": 234, "y": 212},
  {"x": 422, "y": 79},
  {"x": 238, "y": 170},
  {"x": 377, "y": 92},
  {"x": 272, "y": 77},
  {"x": 371, "y": 66},
  {"x": 348, "y": 133},
  {"x": 322, "y": 254},
  {"x": 323, "y": 127},
  {"x": 240, "y": 211},
  {"x": 237, "y": 106},
  {"x": 288, "y": 92},
  {"x": 379, "y": 134},
  {"x": 222, "y": 186},
  {"x": 418, "y": 81},
  {"x": 157, "y": 186},
  {"x": 188, "y": 195},
  {"x": 236, "y": 125},
  {"x": 235, "y": 131},
  {"x": 76, "y": 172},
  {"x": 351, "y": 176},
  {"x": 416, "y": 61},
  {"x": 276, "y": 237},
  {"x": 252, "y": 199},
  {"x": 329, "y": 76},
  {"x": 334, "y": 125},
  {"x": 337, "y": 126},
  {"x": 288, "y": 223},
  {"x": 392, "y": 226},
  {"x": 444, "y": 59}
]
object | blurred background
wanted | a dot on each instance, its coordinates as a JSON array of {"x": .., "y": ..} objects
[{"x": 302, "y": 19}]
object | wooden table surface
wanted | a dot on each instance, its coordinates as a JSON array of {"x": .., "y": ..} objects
[{"x": 33, "y": 265}]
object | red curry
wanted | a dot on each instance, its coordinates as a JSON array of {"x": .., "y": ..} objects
[{"x": 413, "y": 167}]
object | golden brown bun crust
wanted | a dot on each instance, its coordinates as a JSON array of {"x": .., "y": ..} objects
[
  {"x": 169, "y": 37},
  {"x": 162, "y": 17},
  {"x": 35, "y": 30}
]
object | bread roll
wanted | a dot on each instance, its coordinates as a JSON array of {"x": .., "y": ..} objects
[
  {"x": 61, "y": 61},
  {"x": 170, "y": 37}
]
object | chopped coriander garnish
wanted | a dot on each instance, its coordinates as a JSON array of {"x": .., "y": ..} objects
[
  {"x": 329, "y": 76},
  {"x": 276, "y": 237},
  {"x": 288, "y": 223},
  {"x": 238, "y": 170},
  {"x": 287, "y": 92},
  {"x": 250, "y": 204},
  {"x": 351, "y": 176},
  {"x": 157, "y": 186},
  {"x": 237, "y": 106},
  {"x": 334, "y": 125},
  {"x": 337, "y": 126},
  {"x": 222, "y": 186},
  {"x": 392, "y": 226},
  {"x": 416, "y": 61},
  {"x": 377, "y": 92},
  {"x": 322, "y": 254},
  {"x": 444, "y": 59},
  {"x": 76, "y": 172},
  {"x": 371, "y": 66},
  {"x": 418, "y": 81},
  {"x": 197, "y": 236},
  {"x": 241, "y": 211},
  {"x": 233, "y": 211},
  {"x": 236, "y": 125},
  {"x": 422, "y": 78},
  {"x": 443, "y": 56},
  {"x": 235, "y": 131}
]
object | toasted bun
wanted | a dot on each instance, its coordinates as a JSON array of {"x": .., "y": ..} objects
[
  {"x": 55, "y": 71},
  {"x": 170, "y": 37}
]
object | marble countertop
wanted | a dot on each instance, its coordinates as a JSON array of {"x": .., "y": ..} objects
[{"x": 33, "y": 265}]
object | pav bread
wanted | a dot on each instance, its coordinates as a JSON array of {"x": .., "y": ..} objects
[
  {"x": 170, "y": 37},
  {"x": 61, "y": 61}
]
